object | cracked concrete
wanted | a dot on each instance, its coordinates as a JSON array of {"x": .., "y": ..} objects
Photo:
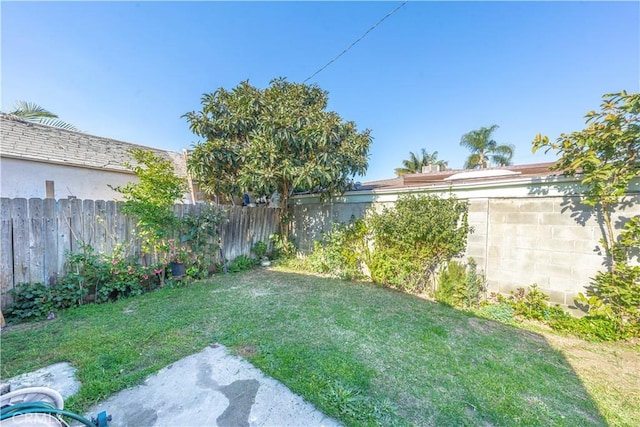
[{"x": 210, "y": 388}]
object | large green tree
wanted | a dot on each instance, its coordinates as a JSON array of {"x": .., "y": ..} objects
[
  {"x": 484, "y": 150},
  {"x": 415, "y": 163},
  {"x": 281, "y": 138},
  {"x": 34, "y": 113}
]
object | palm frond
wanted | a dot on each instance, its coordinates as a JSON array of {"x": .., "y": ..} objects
[
  {"x": 30, "y": 111},
  {"x": 56, "y": 123},
  {"x": 34, "y": 113}
]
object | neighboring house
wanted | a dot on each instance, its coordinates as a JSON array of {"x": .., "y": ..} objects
[{"x": 46, "y": 162}]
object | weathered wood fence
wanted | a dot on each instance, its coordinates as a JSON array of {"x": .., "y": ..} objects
[{"x": 37, "y": 234}]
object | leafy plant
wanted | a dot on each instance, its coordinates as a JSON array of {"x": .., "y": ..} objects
[
  {"x": 415, "y": 236},
  {"x": 242, "y": 263},
  {"x": 501, "y": 312},
  {"x": 531, "y": 303},
  {"x": 450, "y": 278},
  {"x": 592, "y": 328},
  {"x": 282, "y": 248},
  {"x": 259, "y": 249},
  {"x": 200, "y": 232},
  {"x": 30, "y": 301},
  {"x": 342, "y": 252},
  {"x": 460, "y": 285},
  {"x": 36, "y": 301},
  {"x": 606, "y": 157},
  {"x": 151, "y": 199}
]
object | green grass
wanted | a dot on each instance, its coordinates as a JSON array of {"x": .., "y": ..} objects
[{"x": 361, "y": 353}]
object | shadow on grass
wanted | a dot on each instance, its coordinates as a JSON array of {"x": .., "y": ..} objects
[{"x": 361, "y": 353}]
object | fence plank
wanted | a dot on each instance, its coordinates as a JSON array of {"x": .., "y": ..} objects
[
  {"x": 19, "y": 215},
  {"x": 36, "y": 242},
  {"x": 100, "y": 231},
  {"x": 110, "y": 226},
  {"x": 88, "y": 222},
  {"x": 121, "y": 229},
  {"x": 75, "y": 217},
  {"x": 50, "y": 236},
  {"x": 64, "y": 232},
  {"x": 6, "y": 251}
]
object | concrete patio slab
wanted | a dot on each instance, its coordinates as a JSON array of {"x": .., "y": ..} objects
[{"x": 210, "y": 388}]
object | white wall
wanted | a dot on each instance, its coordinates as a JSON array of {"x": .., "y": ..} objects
[
  {"x": 26, "y": 179},
  {"x": 20, "y": 178}
]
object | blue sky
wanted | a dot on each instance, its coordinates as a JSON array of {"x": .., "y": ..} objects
[{"x": 421, "y": 79}]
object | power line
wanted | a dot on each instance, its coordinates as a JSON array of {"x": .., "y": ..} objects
[{"x": 355, "y": 42}]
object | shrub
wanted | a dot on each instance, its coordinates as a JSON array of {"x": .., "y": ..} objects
[
  {"x": 282, "y": 248},
  {"x": 449, "y": 279},
  {"x": 592, "y": 328},
  {"x": 415, "y": 236},
  {"x": 342, "y": 251},
  {"x": 242, "y": 263},
  {"x": 460, "y": 285},
  {"x": 199, "y": 232},
  {"x": 89, "y": 277},
  {"x": 531, "y": 303},
  {"x": 35, "y": 301},
  {"x": 259, "y": 249}
]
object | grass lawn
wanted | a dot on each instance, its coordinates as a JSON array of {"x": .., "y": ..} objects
[{"x": 359, "y": 352}]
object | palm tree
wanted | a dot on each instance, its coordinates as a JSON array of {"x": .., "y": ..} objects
[
  {"x": 414, "y": 163},
  {"x": 34, "y": 113},
  {"x": 484, "y": 150}
]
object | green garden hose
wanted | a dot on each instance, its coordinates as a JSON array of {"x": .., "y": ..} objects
[{"x": 7, "y": 412}]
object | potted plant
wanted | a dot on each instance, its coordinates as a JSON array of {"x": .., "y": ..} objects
[
  {"x": 178, "y": 255},
  {"x": 260, "y": 251}
]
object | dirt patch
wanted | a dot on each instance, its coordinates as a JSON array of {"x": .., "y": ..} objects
[
  {"x": 484, "y": 326},
  {"x": 27, "y": 326},
  {"x": 612, "y": 369},
  {"x": 246, "y": 351}
]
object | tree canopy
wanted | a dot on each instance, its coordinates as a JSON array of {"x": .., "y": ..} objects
[
  {"x": 34, "y": 113},
  {"x": 280, "y": 138},
  {"x": 484, "y": 150},
  {"x": 415, "y": 163}
]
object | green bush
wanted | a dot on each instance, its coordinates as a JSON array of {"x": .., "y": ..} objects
[
  {"x": 449, "y": 279},
  {"x": 259, "y": 249},
  {"x": 242, "y": 263},
  {"x": 30, "y": 301},
  {"x": 342, "y": 251},
  {"x": 460, "y": 285},
  {"x": 591, "y": 328},
  {"x": 89, "y": 277},
  {"x": 415, "y": 236},
  {"x": 282, "y": 248},
  {"x": 36, "y": 301},
  {"x": 531, "y": 303}
]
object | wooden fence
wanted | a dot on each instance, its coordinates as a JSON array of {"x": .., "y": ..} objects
[{"x": 37, "y": 234}]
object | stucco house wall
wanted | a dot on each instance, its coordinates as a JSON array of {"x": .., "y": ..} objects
[
  {"x": 20, "y": 178},
  {"x": 79, "y": 165}
]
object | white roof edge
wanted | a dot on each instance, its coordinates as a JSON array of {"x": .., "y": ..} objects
[{"x": 483, "y": 173}]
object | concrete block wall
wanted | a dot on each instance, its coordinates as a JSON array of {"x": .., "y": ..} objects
[
  {"x": 552, "y": 240},
  {"x": 310, "y": 221}
]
